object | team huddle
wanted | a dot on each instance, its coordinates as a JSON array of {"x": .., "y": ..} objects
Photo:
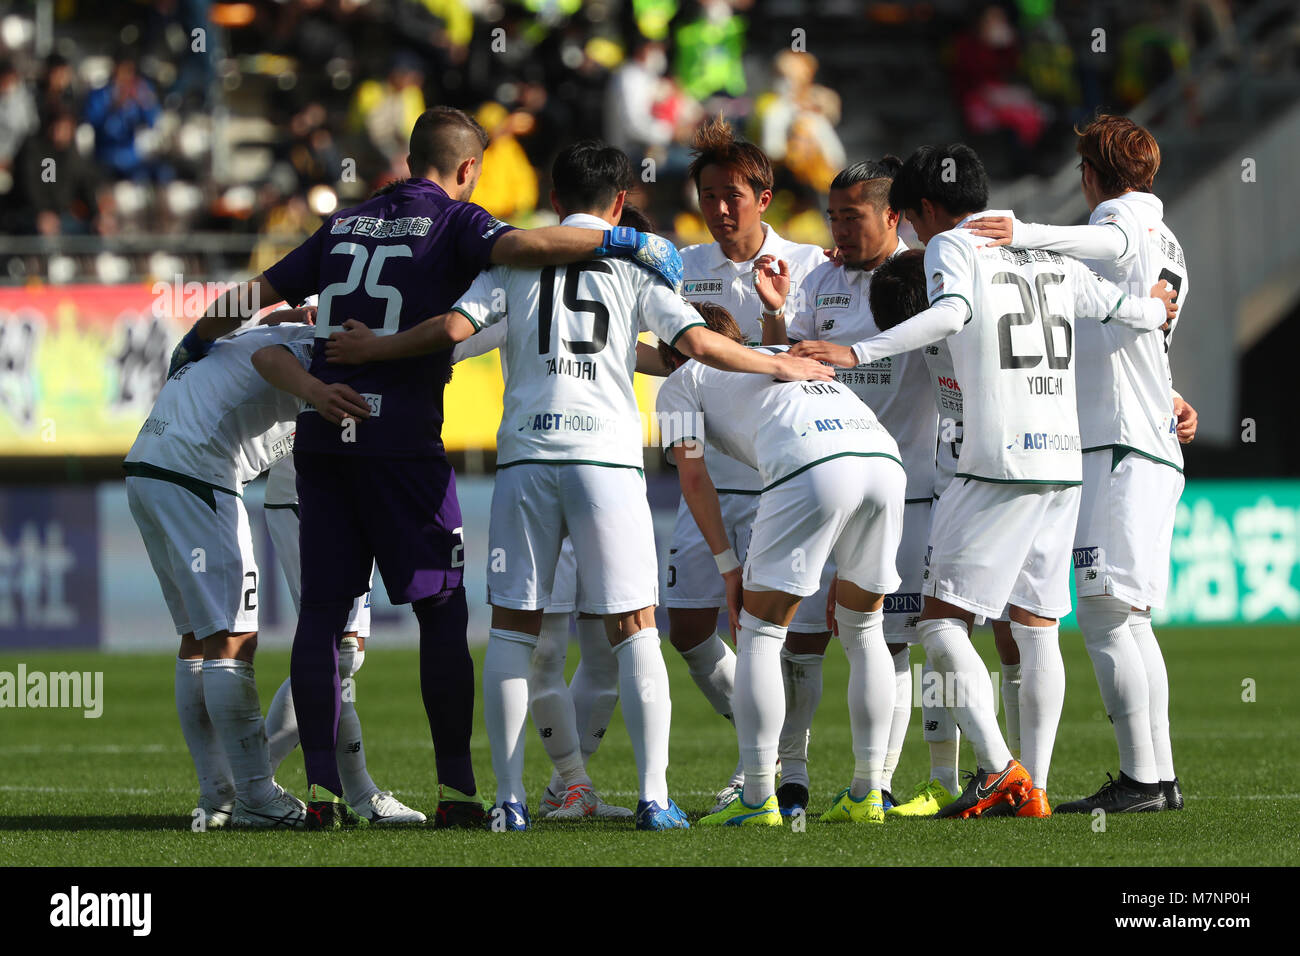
[{"x": 883, "y": 445}]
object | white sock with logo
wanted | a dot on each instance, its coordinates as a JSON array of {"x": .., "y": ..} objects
[
  {"x": 550, "y": 703},
  {"x": 1139, "y": 625},
  {"x": 712, "y": 665},
  {"x": 940, "y": 731},
  {"x": 871, "y": 694},
  {"x": 505, "y": 708},
  {"x": 1011, "y": 705},
  {"x": 230, "y": 692},
  {"x": 595, "y": 685},
  {"x": 948, "y": 646},
  {"x": 760, "y": 703},
  {"x": 350, "y": 751},
  {"x": 647, "y": 709},
  {"x": 1122, "y": 680},
  {"x": 210, "y": 764},
  {"x": 1042, "y": 696},
  {"x": 902, "y": 715},
  {"x": 801, "y": 674}
]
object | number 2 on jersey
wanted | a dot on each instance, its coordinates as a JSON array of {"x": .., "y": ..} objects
[
  {"x": 1035, "y": 304},
  {"x": 546, "y": 307}
]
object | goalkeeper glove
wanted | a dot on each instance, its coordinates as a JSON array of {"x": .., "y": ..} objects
[
  {"x": 654, "y": 252},
  {"x": 191, "y": 349}
]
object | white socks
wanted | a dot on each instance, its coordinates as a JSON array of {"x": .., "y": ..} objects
[
  {"x": 505, "y": 708},
  {"x": 801, "y": 675},
  {"x": 939, "y": 730},
  {"x": 215, "y": 779},
  {"x": 595, "y": 684},
  {"x": 1139, "y": 624},
  {"x": 550, "y": 703},
  {"x": 647, "y": 709},
  {"x": 350, "y": 751},
  {"x": 759, "y": 703},
  {"x": 902, "y": 715},
  {"x": 1121, "y": 677},
  {"x": 230, "y": 694},
  {"x": 948, "y": 646},
  {"x": 1042, "y": 695},
  {"x": 871, "y": 694},
  {"x": 1011, "y": 705},
  {"x": 712, "y": 666}
]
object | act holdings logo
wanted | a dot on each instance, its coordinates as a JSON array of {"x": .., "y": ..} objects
[{"x": 77, "y": 909}]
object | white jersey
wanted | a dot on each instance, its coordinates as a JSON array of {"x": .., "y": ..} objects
[
  {"x": 1128, "y": 401},
  {"x": 947, "y": 396},
  {"x": 571, "y": 351},
  {"x": 709, "y": 276},
  {"x": 778, "y": 428},
  {"x": 836, "y": 309},
  {"x": 1014, "y": 356},
  {"x": 217, "y": 420}
]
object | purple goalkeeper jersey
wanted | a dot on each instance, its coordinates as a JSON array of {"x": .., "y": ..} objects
[{"x": 391, "y": 262}]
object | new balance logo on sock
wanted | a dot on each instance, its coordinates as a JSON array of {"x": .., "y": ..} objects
[
  {"x": 354, "y": 747},
  {"x": 932, "y": 725},
  {"x": 74, "y": 909}
]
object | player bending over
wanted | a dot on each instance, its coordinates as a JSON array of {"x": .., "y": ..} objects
[{"x": 1000, "y": 534}]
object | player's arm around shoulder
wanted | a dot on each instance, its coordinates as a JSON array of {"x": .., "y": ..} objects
[
  {"x": 283, "y": 369},
  {"x": 1101, "y": 299}
]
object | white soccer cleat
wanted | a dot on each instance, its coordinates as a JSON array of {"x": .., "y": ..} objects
[
  {"x": 579, "y": 803},
  {"x": 382, "y": 809},
  {"x": 608, "y": 811},
  {"x": 216, "y": 813},
  {"x": 722, "y": 799},
  {"x": 284, "y": 811},
  {"x": 551, "y": 802}
]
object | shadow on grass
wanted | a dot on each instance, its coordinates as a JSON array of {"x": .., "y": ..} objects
[{"x": 129, "y": 821}]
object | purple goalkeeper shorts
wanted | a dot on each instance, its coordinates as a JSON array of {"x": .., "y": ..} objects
[{"x": 400, "y": 513}]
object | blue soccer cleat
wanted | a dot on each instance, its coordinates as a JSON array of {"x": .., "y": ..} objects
[
  {"x": 651, "y": 816},
  {"x": 507, "y": 817}
]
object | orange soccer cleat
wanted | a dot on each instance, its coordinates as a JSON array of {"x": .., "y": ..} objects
[
  {"x": 989, "y": 789},
  {"x": 1035, "y": 805}
]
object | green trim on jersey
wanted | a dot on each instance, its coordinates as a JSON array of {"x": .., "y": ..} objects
[
  {"x": 288, "y": 507},
  {"x": 204, "y": 490},
  {"x": 737, "y": 491},
  {"x": 693, "y": 325},
  {"x": 570, "y": 461},
  {"x": 970, "y": 313},
  {"x": 1120, "y": 452},
  {"x": 477, "y": 327},
  {"x": 1122, "y": 233},
  {"x": 842, "y": 454},
  {"x": 916, "y": 501},
  {"x": 1015, "y": 481}
]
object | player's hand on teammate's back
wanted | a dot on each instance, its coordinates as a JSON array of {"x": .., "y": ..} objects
[
  {"x": 840, "y": 355},
  {"x": 1165, "y": 292},
  {"x": 1186, "y": 418},
  {"x": 998, "y": 229},
  {"x": 654, "y": 252},
  {"x": 771, "y": 281},
  {"x": 337, "y": 402},
  {"x": 794, "y": 369},
  {"x": 352, "y": 345}
]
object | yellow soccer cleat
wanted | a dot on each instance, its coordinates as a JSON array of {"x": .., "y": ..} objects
[
  {"x": 738, "y": 813},
  {"x": 929, "y": 799},
  {"x": 869, "y": 809}
]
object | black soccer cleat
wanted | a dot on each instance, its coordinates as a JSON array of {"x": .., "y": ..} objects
[
  {"x": 1124, "y": 795},
  {"x": 1173, "y": 794},
  {"x": 791, "y": 797},
  {"x": 325, "y": 811},
  {"x": 460, "y": 815}
]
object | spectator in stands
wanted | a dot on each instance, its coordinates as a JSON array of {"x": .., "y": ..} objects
[
  {"x": 118, "y": 111},
  {"x": 58, "y": 90},
  {"x": 18, "y": 118},
  {"x": 507, "y": 187},
  {"x": 386, "y": 110},
  {"x": 631, "y": 121},
  {"x": 54, "y": 184},
  {"x": 797, "y": 121},
  {"x": 710, "y": 50}
]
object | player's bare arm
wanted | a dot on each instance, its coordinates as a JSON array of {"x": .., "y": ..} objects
[
  {"x": 702, "y": 498},
  {"x": 334, "y": 402},
  {"x": 1186, "y": 417},
  {"x": 717, "y": 351},
  {"x": 547, "y": 246},
  {"x": 357, "y": 343},
  {"x": 946, "y": 317},
  {"x": 222, "y": 316},
  {"x": 772, "y": 283},
  {"x": 649, "y": 361}
]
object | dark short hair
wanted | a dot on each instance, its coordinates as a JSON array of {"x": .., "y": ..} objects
[
  {"x": 898, "y": 289},
  {"x": 636, "y": 218},
  {"x": 951, "y": 176},
  {"x": 716, "y": 318},
  {"x": 442, "y": 139},
  {"x": 588, "y": 174},
  {"x": 878, "y": 174}
]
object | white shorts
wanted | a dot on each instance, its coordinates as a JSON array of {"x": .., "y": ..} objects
[
  {"x": 692, "y": 577},
  {"x": 605, "y": 513},
  {"x": 282, "y": 523},
  {"x": 564, "y": 591},
  {"x": 201, "y": 550},
  {"x": 848, "y": 508},
  {"x": 1126, "y": 525},
  {"x": 997, "y": 544},
  {"x": 810, "y": 615}
]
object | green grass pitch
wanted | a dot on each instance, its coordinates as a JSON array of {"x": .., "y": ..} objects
[{"x": 118, "y": 790}]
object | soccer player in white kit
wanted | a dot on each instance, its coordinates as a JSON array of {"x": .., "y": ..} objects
[
  {"x": 1129, "y": 421},
  {"x": 834, "y": 308},
  {"x": 216, "y": 426},
  {"x": 569, "y": 461},
  {"x": 833, "y": 485},
  {"x": 733, "y": 180},
  {"x": 1001, "y": 533}
]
